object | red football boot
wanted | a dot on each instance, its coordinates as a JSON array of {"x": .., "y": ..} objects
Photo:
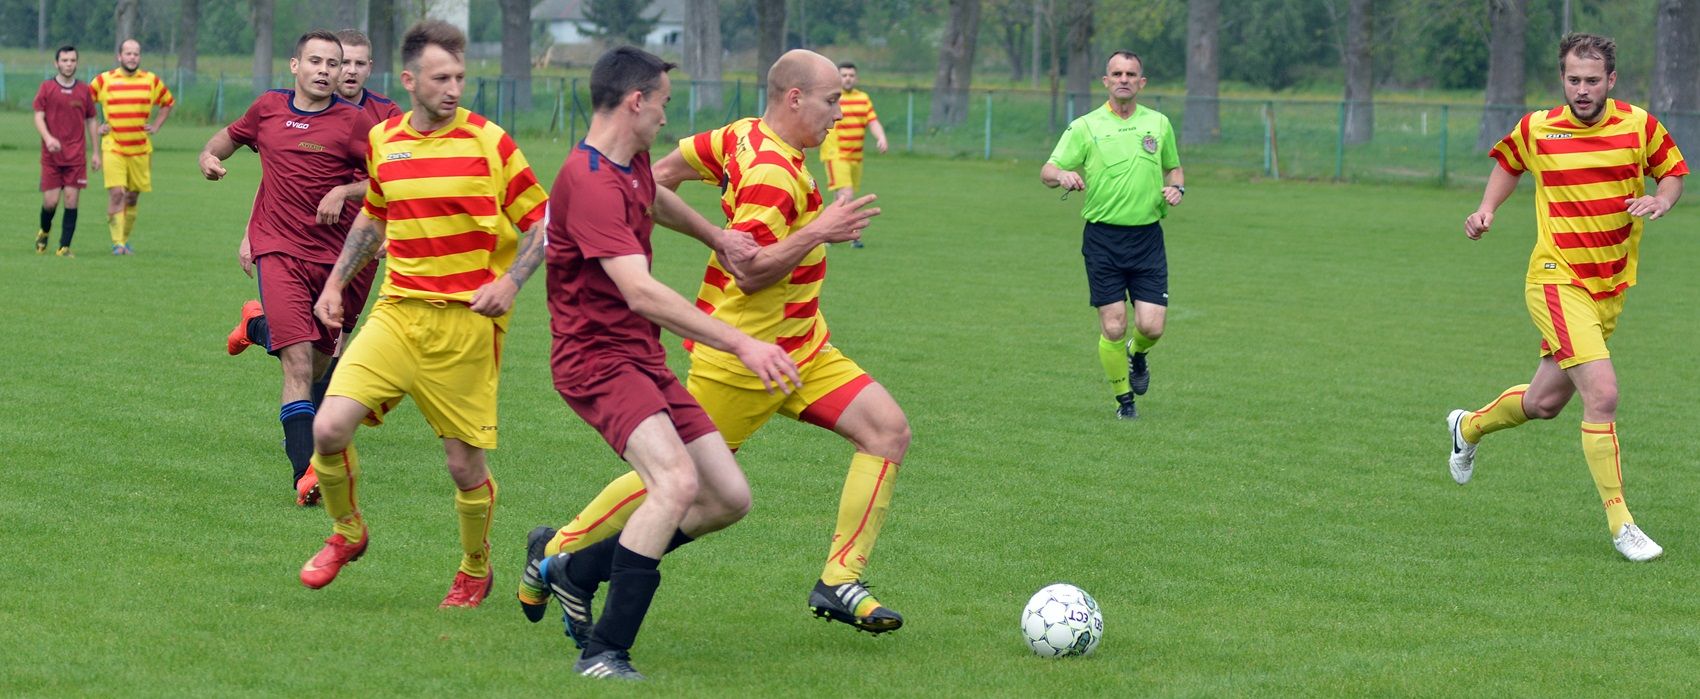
[
  {"x": 467, "y": 591},
  {"x": 329, "y": 561},
  {"x": 238, "y": 339}
]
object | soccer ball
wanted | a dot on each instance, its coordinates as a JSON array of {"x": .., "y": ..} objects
[{"x": 1062, "y": 620}]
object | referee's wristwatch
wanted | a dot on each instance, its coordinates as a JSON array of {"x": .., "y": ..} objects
[{"x": 1179, "y": 188}]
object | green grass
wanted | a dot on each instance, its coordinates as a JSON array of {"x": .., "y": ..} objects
[{"x": 1278, "y": 522}]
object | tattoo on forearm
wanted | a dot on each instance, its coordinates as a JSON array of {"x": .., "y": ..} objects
[
  {"x": 362, "y": 245},
  {"x": 530, "y": 257}
]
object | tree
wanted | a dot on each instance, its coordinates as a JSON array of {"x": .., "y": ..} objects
[
  {"x": 1082, "y": 66},
  {"x": 702, "y": 51},
  {"x": 262, "y": 20},
  {"x": 956, "y": 64},
  {"x": 516, "y": 51},
  {"x": 124, "y": 21},
  {"x": 1012, "y": 20},
  {"x": 614, "y": 21},
  {"x": 1675, "y": 94},
  {"x": 380, "y": 28},
  {"x": 1508, "y": 21},
  {"x": 41, "y": 25},
  {"x": 1360, "y": 79},
  {"x": 770, "y": 36},
  {"x": 1203, "y": 120},
  {"x": 188, "y": 27}
]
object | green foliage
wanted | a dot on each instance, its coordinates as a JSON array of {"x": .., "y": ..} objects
[
  {"x": 1268, "y": 43},
  {"x": 1156, "y": 30},
  {"x": 618, "y": 21}
]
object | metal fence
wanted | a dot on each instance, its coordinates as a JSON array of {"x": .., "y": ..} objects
[{"x": 1411, "y": 142}]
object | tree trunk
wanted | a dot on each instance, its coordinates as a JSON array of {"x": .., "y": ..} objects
[
  {"x": 124, "y": 14},
  {"x": 770, "y": 37},
  {"x": 956, "y": 65},
  {"x": 1508, "y": 21},
  {"x": 1675, "y": 99},
  {"x": 1014, "y": 35},
  {"x": 380, "y": 28},
  {"x": 1360, "y": 79},
  {"x": 1056, "y": 62},
  {"x": 1038, "y": 24},
  {"x": 41, "y": 25},
  {"x": 346, "y": 15},
  {"x": 188, "y": 27},
  {"x": 262, "y": 45},
  {"x": 702, "y": 52},
  {"x": 516, "y": 52},
  {"x": 1202, "y": 122},
  {"x": 1082, "y": 66}
]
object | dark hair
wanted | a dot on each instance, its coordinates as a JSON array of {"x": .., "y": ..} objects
[
  {"x": 847, "y": 64},
  {"x": 315, "y": 35},
  {"x": 62, "y": 50},
  {"x": 353, "y": 37},
  {"x": 431, "y": 32},
  {"x": 1128, "y": 54},
  {"x": 1588, "y": 46},
  {"x": 620, "y": 71}
]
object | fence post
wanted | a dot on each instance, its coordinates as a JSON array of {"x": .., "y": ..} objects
[
  {"x": 2, "y": 81},
  {"x": 218, "y": 102},
  {"x": 693, "y": 107},
  {"x": 1340, "y": 146},
  {"x": 1070, "y": 118},
  {"x": 909, "y": 138},
  {"x": 572, "y": 134},
  {"x": 988, "y": 125},
  {"x": 761, "y": 98},
  {"x": 1444, "y": 120},
  {"x": 738, "y": 100},
  {"x": 1271, "y": 153}
]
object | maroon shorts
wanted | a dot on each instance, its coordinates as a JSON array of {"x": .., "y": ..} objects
[
  {"x": 290, "y": 286},
  {"x": 625, "y": 393},
  {"x": 64, "y": 176}
]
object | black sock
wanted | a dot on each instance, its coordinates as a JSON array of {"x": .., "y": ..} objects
[
  {"x": 297, "y": 420},
  {"x": 594, "y": 565},
  {"x": 630, "y": 591},
  {"x": 70, "y": 227},
  {"x": 260, "y": 333},
  {"x": 46, "y": 219},
  {"x": 324, "y": 382}
]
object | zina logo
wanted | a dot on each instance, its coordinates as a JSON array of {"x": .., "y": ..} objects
[
  {"x": 296, "y": 124},
  {"x": 399, "y": 156}
]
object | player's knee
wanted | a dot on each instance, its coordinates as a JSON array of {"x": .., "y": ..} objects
[
  {"x": 1114, "y": 330},
  {"x": 1603, "y": 401},
  {"x": 892, "y": 439},
  {"x": 329, "y": 437},
  {"x": 1542, "y": 407},
  {"x": 1151, "y": 332},
  {"x": 674, "y": 490}
]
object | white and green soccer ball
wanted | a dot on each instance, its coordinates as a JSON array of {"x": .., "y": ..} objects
[{"x": 1062, "y": 620}]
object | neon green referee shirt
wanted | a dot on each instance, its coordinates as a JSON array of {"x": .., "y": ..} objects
[{"x": 1124, "y": 163}]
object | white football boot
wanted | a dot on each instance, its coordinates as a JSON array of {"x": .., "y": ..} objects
[
  {"x": 1634, "y": 544},
  {"x": 1463, "y": 459}
]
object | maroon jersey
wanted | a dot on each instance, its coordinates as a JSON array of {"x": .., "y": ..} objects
[
  {"x": 598, "y": 209},
  {"x": 303, "y": 155},
  {"x": 378, "y": 106},
  {"x": 67, "y": 110}
]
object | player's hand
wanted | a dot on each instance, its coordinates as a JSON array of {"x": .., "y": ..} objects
[
  {"x": 494, "y": 299},
  {"x": 150, "y": 128},
  {"x": 329, "y": 307},
  {"x": 53, "y": 144},
  {"x": 1478, "y": 223},
  {"x": 211, "y": 167},
  {"x": 843, "y": 219},
  {"x": 103, "y": 129},
  {"x": 1071, "y": 181},
  {"x": 1648, "y": 206},
  {"x": 94, "y": 161},
  {"x": 771, "y": 364},
  {"x": 880, "y": 144},
  {"x": 734, "y": 249},
  {"x": 330, "y": 207},
  {"x": 1172, "y": 195},
  {"x": 245, "y": 257}
]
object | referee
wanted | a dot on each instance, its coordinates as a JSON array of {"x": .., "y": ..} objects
[{"x": 1127, "y": 153}]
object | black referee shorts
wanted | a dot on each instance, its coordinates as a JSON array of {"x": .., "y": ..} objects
[{"x": 1125, "y": 263}]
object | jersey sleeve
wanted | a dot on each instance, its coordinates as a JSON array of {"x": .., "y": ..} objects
[
  {"x": 1659, "y": 150},
  {"x": 245, "y": 130},
  {"x": 705, "y": 153},
  {"x": 598, "y": 224},
  {"x": 1512, "y": 151},
  {"x": 1169, "y": 156},
  {"x": 523, "y": 199},
  {"x": 766, "y": 202},
  {"x": 359, "y": 146},
  {"x": 872, "y": 115},
  {"x": 97, "y": 88},
  {"x": 376, "y": 206},
  {"x": 162, "y": 94},
  {"x": 1070, "y": 152},
  {"x": 40, "y": 103},
  {"x": 88, "y": 105}
]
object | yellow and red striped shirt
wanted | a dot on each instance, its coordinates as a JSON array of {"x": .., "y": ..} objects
[
  {"x": 1586, "y": 236},
  {"x": 451, "y": 200},
  {"x": 844, "y": 142},
  {"x": 767, "y": 193},
  {"x": 129, "y": 99}
]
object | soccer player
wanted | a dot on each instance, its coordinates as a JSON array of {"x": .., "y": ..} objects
[
  {"x": 64, "y": 116},
  {"x": 312, "y": 147},
  {"x": 356, "y": 69},
  {"x": 1124, "y": 156},
  {"x": 128, "y": 94},
  {"x": 842, "y": 150},
  {"x": 768, "y": 193},
  {"x": 606, "y": 315},
  {"x": 447, "y": 190},
  {"x": 1590, "y": 156}
]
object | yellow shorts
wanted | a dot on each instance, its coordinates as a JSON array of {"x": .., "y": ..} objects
[
  {"x": 1574, "y": 325},
  {"x": 128, "y": 172},
  {"x": 739, "y": 406},
  {"x": 445, "y": 356},
  {"x": 841, "y": 173}
]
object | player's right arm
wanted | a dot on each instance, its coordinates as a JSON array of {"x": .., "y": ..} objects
[
  {"x": 841, "y": 221},
  {"x": 1501, "y": 183},
  {"x": 1070, "y": 155},
  {"x": 666, "y": 308},
  {"x": 1054, "y": 177},
  {"x": 218, "y": 148},
  {"x": 47, "y": 139},
  {"x": 364, "y": 241}
]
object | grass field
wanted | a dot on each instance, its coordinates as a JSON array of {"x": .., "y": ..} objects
[{"x": 1278, "y": 522}]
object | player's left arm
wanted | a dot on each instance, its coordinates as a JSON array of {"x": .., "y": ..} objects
[
  {"x": 671, "y": 171},
  {"x": 495, "y": 298},
  {"x": 330, "y": 207},
  {"x": 1174, "y": 186},
  {"x": 166, "y": 102},
  {"x": 879, "y": 134},
  {"x": 363, "y": 242},
  {"x": 90, "y": 125},
  {"x": 734, "y": 248},
  {"x": 1655, "y": 205}
]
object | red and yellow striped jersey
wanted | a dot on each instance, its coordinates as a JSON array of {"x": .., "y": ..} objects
[
  {"x": 129, "y": 99},
  {"x": 1584, "y": 173},
  {"x": 450, "y": 200},
  {"x": 767, "y": 193},
  {"x": 844, "y": 142}
]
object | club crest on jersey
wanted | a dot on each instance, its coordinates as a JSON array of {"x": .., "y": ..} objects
[
  {"x": 291, "y": 123},
  {"x": 1150, "y": 143}
]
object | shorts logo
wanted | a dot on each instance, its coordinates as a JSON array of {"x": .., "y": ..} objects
[
  {"x": 309, "y": 145},
  {"x": 296, "y": 124},
  {"x": 1550, "y": 265},
  {"x": 1150, "y": 143},
  {"x": 398, "y": 156}
]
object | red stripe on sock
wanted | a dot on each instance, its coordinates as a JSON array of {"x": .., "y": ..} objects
[
  {"x": 885, "y": 466},
  {"x": 629, "y": 499}
]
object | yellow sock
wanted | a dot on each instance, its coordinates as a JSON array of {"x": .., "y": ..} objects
[
  {"x": 1113, "y": 356},
  {"x": 476, "y": 508},
  {"x": 1504, "y": 412},
  {"x": 605, "y": 516},
  {"x": 129, "y": 223},
  {"x": 115, "y": 226},
  {"x": 861, "y": 513},
  {"x": 337, "y": 476},
  {"x": 1599, "y": 445},
  {"x": 1140, "y": 343}
]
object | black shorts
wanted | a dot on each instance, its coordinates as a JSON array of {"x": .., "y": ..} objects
[{"x": 1125, "y": 263}]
